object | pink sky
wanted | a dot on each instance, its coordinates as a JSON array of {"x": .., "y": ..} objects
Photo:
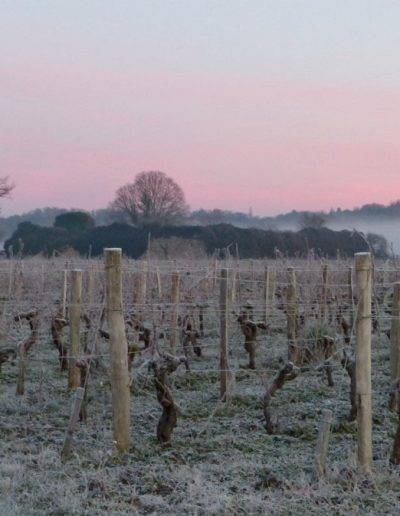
[{"x": 76, "y": 126}]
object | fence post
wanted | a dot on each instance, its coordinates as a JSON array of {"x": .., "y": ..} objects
[
  {"x": 120, "y": 392},
  {"x": 324, "y": 307},
  {"x": 321, "y": 451},
  {"x": 90, "y": 287},
  {"x": 73, "y": 419},
  {"x": 293, "y": 350},
  {"x": 224, "y": 361},
  {"x": 272, "y": 290},
  {"x": 233, "y": 287},
  {"x": 74, "y": 328},
  {"x": 64, "y": 295},
  {"x": 159, "y": 284},
  {"x": 363, "y": 361},
  {"x": 395, "y": 334},
  {"x": 142, "y": 285},
  {"x": 351, "y": 294},
  {"x": 266, "y": 293},
  {"x": 175, "y": 310}
]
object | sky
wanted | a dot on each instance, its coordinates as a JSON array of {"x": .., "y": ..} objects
[{"x": 269, "y": 104}]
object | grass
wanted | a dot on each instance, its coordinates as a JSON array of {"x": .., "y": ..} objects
[{"x": 220, "y": 461}]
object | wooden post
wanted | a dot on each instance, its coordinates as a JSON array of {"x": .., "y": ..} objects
[
  {"x": 159, "y": 284},
  {"x": 272, "y": 281},
  {"x": 64, "y": 295},
  {"x": 266, "y": 294},
  {"x": 321, "y": 451},
  {"x": 90, "y": 287},
  {"x": 214, "y": 273},
  {"x": 363, "y": 361},
  {"x": 10, "y": 277},
  {"x": 175, "y": 311},
  {"x": 21, "y": 372},
  {"x": 395, "y": 334},
  {"x": 73, "y": 419},
  {"x": 75, "y": 326},
  {"x": 119, "y": 376},
  {"x": 351, "y": 294},
  {"x": 224, "y": 360},
  {"x": 324, "y": 300},
  {"x": 233, "y": 287},
  {"x": 293, "y": 350},
  {"x": 42, "y": 279},
  {"x": 142, "y": 284}
]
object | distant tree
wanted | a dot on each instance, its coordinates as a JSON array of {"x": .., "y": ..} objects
[
  {"x": 152, "y": 199},
  {"x": 312, "y": 220},
  {"x": 5, "y": 187},
  {"x": 74, "y": 221}
]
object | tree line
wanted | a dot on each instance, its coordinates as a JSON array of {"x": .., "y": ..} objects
[
  {"x": 154, "y": 203},
  {"x": 77, "y": 230}
]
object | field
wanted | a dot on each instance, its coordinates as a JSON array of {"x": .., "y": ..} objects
[{"x": 220, "y": 458}]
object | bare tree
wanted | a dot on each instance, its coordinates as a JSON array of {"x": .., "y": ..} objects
[
  {"x": 5, "y": 187},
  {"x": 153, "y": 198}
]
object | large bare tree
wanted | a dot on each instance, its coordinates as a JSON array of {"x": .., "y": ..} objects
[
  {"x": 5, "y": 187},
  {"x": 153, "y": 198}
]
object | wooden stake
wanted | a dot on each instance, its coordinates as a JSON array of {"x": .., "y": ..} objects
[
  {"x": 233, "y": 287},
  {"x": 64, "y": 295},
  {"x": 120, "y": 392},
  {"x": 224, "y": 360},
  {"x": 142, "y": 284},
  {"x": 363, "y": 361},
  {"x": 293, "y": 350},
  {"x": 395, "y": 334},
  {"x": 75, "y": 326},
  {"x": 351, "y": 294},
  {"x": 90, "y": 287},
  {"x": 266, "y": 294},
  {"x": 324, "y": 292},
  {"x": 159, "y": 284},
  {"x": 175, "y": 311},
  {"x": 272, "y": 281},
  {"x": 73, "y": 419},
  {"x": 321, "y": 451}
]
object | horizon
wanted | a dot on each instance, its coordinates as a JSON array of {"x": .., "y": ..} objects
[
  {"x": 252, "y": 215},
  {"x": 274, "y": 106}
]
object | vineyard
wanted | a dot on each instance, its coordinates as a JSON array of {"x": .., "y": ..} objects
[{"x": 200, "y": 386}]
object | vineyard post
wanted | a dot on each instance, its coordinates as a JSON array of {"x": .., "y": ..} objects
[
  {"x": 324, "y": 307},
  {"x": 293, "y": 350},
  {"x": 224, "y": 362},
  {"x": 252, "y": 274},
  {"x": 321, "y": 451},
  {"x": 266, "y": 293},
  {"x": 233, "y": 287},
  {"x": 73, "y": 419},
  {"x": 395, "y": 334},
  {"x": 175, "y": 310},
  {"x": 272, "y": 290},
  {"x": 119, "y": 376},
  {"x": 363, "y": 361},
  {"x": 75, "y": 325},
  {"x": 351, "y": 294},
  {"x": 214, "y": 273},
  {"x": 90, "y": 287},
  {"x": 64, "y": 295},
  {"x": 42, "y": 279},
  {"x": 159, "y": 285},
  {"x": 142, "y": 283}
]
